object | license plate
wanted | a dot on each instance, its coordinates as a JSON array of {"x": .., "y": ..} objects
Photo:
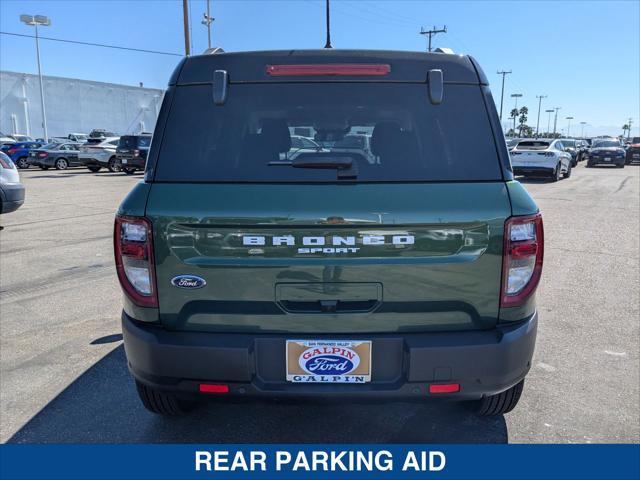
[
  {"x": 124, "y": 161},
  {"x": 636, "y": 155},
  {"x": 328, "y": 361},
  {"x": 607, "y": 159}
]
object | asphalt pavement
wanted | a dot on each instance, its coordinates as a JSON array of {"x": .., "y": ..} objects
[{"x": 63, "y": 376}]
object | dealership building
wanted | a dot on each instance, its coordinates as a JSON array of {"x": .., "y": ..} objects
[{"x": 74, "y": 106}]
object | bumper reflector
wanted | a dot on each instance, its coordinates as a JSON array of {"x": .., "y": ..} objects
[
  {"x": 445, "y": 388},
  {"x": 213, "y": 388}
]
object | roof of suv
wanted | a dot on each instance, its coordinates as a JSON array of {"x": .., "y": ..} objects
[{"x": 252, "y": 66}]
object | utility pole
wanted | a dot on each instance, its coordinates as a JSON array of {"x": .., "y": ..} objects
[
  {"x": 431, "y": 33},
  {"x": 539, "y": 97},
  {"x": 185, "y": 16},
  {"x": 328, "y": 43},
  {"x": 569, "y": 125},
  {"x": 503, "y": 73},
  {"x": 582, "y": 130},
  {"x": 208, "y": 20},
  {"x": 629, "y": 122},
  {"x": 555, "y": 121},
  {"x": 549, "y": 120}
]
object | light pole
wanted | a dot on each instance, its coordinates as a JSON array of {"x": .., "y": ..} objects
[
  {"x": 503, "y": 73},
  {"x": 208, "y": 20},
  {"x": 569, "y": 125},
  {"x": 516, "y": 96},
  {"x": 555, "y": 121},
  {"x": 539, "y": 97},
  {"x": 34, "y": 21},
  {"x": 550, "y": 111},
  {"x": 582, "y": 130}
]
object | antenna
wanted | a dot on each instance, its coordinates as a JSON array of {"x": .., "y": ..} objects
[{"x": 328, "y": 44}]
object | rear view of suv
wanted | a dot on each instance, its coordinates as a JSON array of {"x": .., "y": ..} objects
[
  {"x": 131, "y": 153},
  {"x": 406, "y": 273}
]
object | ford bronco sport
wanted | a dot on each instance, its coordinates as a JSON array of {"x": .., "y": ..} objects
[{"x": 251, "y": 272}]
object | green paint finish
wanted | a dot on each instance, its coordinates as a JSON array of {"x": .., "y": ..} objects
[
  {"x": 135, "y": 201},
  {"x": 521, "y": 201},
  {"x": 435, "y": 250}
]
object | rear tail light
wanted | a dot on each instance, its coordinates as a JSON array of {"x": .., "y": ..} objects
[
  {"x": 329, "y": 69},
  {"x": 522, "y": 259},
  {"x": 134, "y": 259},
  {"x": 43, "y": 154},
  {"x": 213, "y": 388},
  {"x": 136, "y": 153},
  {"x": 549, "y": 154},
  {"x": 11, "y": 151},
  {"x": 6, "y": 163}
]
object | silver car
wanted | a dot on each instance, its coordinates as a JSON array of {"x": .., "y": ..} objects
[
  {"x": 101, "y": 154},
  {"x": 11, "y": 190}
]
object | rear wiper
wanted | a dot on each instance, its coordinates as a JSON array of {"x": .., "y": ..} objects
[{"x": 346, "y": 167}]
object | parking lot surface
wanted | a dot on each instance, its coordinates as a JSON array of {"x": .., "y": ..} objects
[{"x": 63, "y": 376}]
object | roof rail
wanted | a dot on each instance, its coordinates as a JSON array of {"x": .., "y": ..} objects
[{"x": 213, "y": 51}]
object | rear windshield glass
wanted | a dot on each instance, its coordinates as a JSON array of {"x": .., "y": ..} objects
[
  {"x": 606, "y": 144},
  {"x": 375, "y": 132},
  {"x": 132, "y": 141},
  {"x": 532, "y": 145},
  {"x": 569, "y": 143}
]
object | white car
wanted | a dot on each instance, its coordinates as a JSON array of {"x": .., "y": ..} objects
[
  {"x": 102, "y": 154},
  {"x": 541, "y": 157}
]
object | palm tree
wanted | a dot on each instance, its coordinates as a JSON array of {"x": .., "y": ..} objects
[
  {"x": 523, "y": 118},
  {"x": 626, "y": 127}
]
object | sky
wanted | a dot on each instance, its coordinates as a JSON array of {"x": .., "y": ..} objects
[{"x": 583, "y": 55}]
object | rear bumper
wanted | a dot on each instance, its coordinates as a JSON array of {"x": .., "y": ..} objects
[
  {"x": 601, "y": 161},
  {"x": 533, "y": 170},
  {"x": 12, "y": 197},
  {"x": 403, "y": 365}
]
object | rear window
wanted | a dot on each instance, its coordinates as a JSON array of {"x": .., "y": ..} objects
[
  {"x": 249, "y": 138},
  {"x": 134, "y": 141},
  {"x": 533, "y": 145}
]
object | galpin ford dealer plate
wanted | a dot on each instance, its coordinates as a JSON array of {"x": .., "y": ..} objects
[{"x": 328, "y": 361}]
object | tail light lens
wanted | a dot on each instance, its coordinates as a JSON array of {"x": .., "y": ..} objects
[
  {"x": 549, "y": 154},
  {"x": 133, "y": 243},
  {"x": 43, "y": 154},
  {"x": 6, "y": 162},
  {"x": 136, "y": 153},
  {"x": 522, "y": 258},
  {"x": 11, "y": 151},
  {"x": 329, "y": 69}
]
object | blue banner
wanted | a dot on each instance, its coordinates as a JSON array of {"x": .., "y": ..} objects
[{"x": 307, "y": 462}]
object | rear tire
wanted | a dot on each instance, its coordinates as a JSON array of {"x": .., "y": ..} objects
[
  {"x": 94, "y": 168},
  {"x": 44, "y": 167},
  {"x": 129, "y": 171},
  {"x": 501, "y": 403},
  {"x": 555, "y": 176},
  {"x": 568, "y": 172},
  {"x": 62, "y": 164},
  {"x": 22, "y": 163},
  {"x": 162, "y": 403},
  {"x": 621, "y": 165},
  {"x": 113, "y": 165}
]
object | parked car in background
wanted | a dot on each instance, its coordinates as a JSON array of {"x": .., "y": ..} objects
[
  {"x": 98, "y": 135},
  {"x": 571, "y": 146},
  {"x": 78, "y": 137},
  {"x": 355, "y": 143},
  {"x": 98, "y": 155},
  {"x": 607, "y": 151},
  {"x": 58, "y": 155},
  {"x": 633, "y": 152},
  {"x": 19, "y": 152},
  {"x": 6, "y": 139},
  {"x": 131, "y": 152},
  {"x": 19, "y": 137},
  {"x": 545, "y": 157},
  {"x": 11, "y": 190},
  {"x": 583, "y": 146}
]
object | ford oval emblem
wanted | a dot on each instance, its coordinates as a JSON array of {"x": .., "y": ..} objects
[
  {"x": 188, "y": 281},
  {"x": 329, "y": 361}
]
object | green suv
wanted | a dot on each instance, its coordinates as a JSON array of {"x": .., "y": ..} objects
[{"x": 405, "y": 271}]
